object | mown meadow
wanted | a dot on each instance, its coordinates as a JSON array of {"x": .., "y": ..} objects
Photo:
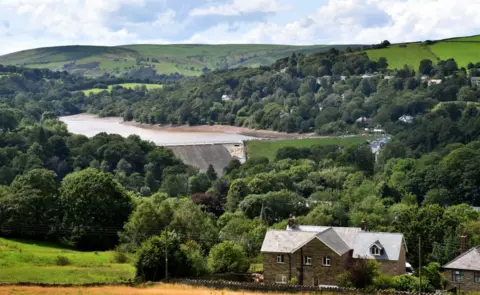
[
  {"x": 38, "y": 262},
  {"x": 269, "y": 148}
]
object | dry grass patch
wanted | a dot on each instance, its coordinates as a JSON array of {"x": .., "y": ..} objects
[{"x": 160, "y": 289}]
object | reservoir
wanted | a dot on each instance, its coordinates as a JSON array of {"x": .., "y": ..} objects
[{"x": 90, "y": 125}]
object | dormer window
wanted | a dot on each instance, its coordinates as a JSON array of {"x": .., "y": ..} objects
[{"x": 375, "y": 250}]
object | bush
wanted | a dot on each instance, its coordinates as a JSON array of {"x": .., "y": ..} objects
[
  {"x": 62, "y": 261},
  {"x": 120, "y": 257},
  {"x": 383, "y": 282},
  {"x": 361, "y": 273},
  {"x": 150, "y": 262},
  {"x": 227, "y": 257}
]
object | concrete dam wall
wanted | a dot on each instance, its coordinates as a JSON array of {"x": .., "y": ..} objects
[{"x": 218, "y": 155}]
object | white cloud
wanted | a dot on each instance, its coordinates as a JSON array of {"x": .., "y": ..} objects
[
  {"x": 238, "y": 7},
  {"x": 35, "y": 23},
  {"x": 371, "y": 21},
  {"x": 75, "y": 19},
  {"x": 165, "y": 18}
]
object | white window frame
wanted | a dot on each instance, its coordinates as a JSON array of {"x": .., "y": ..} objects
[
  {"x": 281, "y": 279},
  {"x": 326, "y": 261},
  {"x": 280, "y": 258},
  {"x": 375, "y": 250},
  {"x": 476, "y": 277},
  {"x": 457, "y": 275},
  {"x": 307, "y": 260}
]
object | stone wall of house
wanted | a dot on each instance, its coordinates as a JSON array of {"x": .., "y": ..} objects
[
  {"x": 467, "y": 284},
  {"x": 394, "y": 268},
  {"x": 271, "y": 268},
  {"x": 317, "y": 273}
]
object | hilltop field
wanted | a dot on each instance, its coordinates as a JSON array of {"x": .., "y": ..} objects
[
  {"x": 190, "y": 60},
  {"x": 37, "y": 262},
  {"x": 195, "y": 59},
  {"x": 463, "y": 50},
  {"x": 124, "y": 85}
]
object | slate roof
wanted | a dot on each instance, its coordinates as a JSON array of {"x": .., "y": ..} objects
[
  {"x": 391, "y": 244},
  {"x": 334, "y": 241},
  {"x": 339, "y": 239},
  {"x": 469, "y": 260},
  {"x": 283, "y": 241}
]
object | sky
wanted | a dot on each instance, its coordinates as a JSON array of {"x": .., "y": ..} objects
[{"x": 26, "y": 24}]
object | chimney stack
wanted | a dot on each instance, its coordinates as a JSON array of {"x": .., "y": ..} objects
[
  {"x": 364, "y": 225},
  {"x": 463, "y": 243},
  {"x": 291, "y": 221}
]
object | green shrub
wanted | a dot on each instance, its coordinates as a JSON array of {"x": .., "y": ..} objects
[
  {"x": 62, "y": 261},
  {"x": 383, "y": 282},
  {"x": 120, "y": 257},
  {"x": 227, "y": 257}
]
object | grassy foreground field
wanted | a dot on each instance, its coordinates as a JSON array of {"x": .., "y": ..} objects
[
  {"x": 24, "y": 261},
  {"x": 269, "y": 148},
  {"x": 160, "y": 289},
  {"x": 124, "y": 85}
]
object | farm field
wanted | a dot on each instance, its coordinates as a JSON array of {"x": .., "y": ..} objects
[
  {"x": 124, "y": 85},
  {"x": 398, "y": 57},
  {"x": 159, "y": 289},
  {"x": 463, "y": 50},
  {"x": 36, "y": 262},
  {"x": 186, "y": 59},
  {"x": 269, "y": 148}
]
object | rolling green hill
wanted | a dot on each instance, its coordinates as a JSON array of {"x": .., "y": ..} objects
[
  {"x": 193, "y": 59},
  {"x": 463, "y": 50},
  {"x": 188, "y": 59}
]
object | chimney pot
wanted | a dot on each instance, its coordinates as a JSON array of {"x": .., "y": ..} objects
[
  {"x": 291, "y": 221},
  {"x": 364, "y": 225}
]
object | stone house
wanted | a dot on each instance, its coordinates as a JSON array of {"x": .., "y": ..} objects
[
  {"x": 317, "y": 255},
  {"x": 463, "y": 272},
  {"x": 475, "y": 81}
]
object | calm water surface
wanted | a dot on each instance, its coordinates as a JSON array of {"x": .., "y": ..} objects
[{"x": 90, "y": 125}]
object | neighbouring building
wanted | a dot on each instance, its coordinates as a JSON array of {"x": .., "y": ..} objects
[
  {"x": 316, "y": 255},
  {"x": 406, "y": 119},
  {"x": 434, "y": 82},
  {"x": 475, "y": 81},
  {"x": 463, "y": 272},
  {"x": 226, "y": 97}
]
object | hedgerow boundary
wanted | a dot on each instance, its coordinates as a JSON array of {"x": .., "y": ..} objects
[{"x": 284, "y": 288}]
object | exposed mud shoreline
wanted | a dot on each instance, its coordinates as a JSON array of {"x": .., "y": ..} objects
[{"x": 221, "y": 129}]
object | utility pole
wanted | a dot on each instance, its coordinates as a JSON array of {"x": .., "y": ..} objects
[
  {"x": 420, "y": 263},
  {"x": 166, "y": 254}
]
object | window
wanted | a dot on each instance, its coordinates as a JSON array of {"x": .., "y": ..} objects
[
  {"x": 280, "y": 258},
  {"x": 476, "y": 277},
  {"x": 326, "y": 261},
  {"x": 281, "y": 279},
  {"x": 307, "y": 260},
  {"x": 457, "y": 275},
  {"x": 375, "y": 251}
]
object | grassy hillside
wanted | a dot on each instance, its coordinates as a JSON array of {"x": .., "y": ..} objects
[
  {"x": 124, "y": 85},
  {"x": 463, "y": 50},
  {"x": 166, "y": 59},
  {"x": 24, "y": 261},
  {"x": 269, "y": 148}
]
